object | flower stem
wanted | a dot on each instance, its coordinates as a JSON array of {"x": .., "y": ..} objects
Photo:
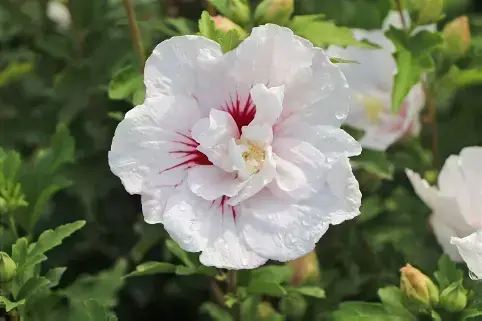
[
  {"x": 232, "y": 281},
  {"x": 209, "y": 6},
  {"x": 135, "y": 33},
  {"x": 400, "y": 12},
  {"x": 13, "y": 227},
  {"x": 217, "y": 292}
]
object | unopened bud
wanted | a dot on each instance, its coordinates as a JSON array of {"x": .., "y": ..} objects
[
  {"x": 239, "y": 11},
  {"x": 454, "y": 297},
  {"x": 8, "y": 268},
  {"x": 457, "y": 37},
  {"x": 274, "y": 11},
  {"x": 224, "y": 24},
  {"x": 293, "y": 306},
  {"x": 305, "y": 269},
  {"x": 418, "y": 287}
]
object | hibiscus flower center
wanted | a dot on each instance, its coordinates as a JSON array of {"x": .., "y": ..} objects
[
  {"x": 373, "y": 107},
  {"x": 253, "y": 156}
]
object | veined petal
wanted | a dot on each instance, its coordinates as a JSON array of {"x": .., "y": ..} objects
[
  {"x": 145, "y": 137},
  {"x": 269, "y": 104},
  {"x": 470, "y": 248}
]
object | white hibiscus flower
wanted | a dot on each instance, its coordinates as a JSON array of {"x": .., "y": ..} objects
[
  {"x": 470, "y": 248},
  {"x": 457, "y": 203},
  {"x": 372, "y": 81},
  {"x": 240, "y": 155}
]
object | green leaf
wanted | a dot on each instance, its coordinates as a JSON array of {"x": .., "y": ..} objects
[
  {"x": 91, "y": 310},
  {"x": 375, "y": 163},
  {"x": 150, "y": 268},
  {"x": 272, "y": 274},
  {"x": 215, "y": 312},
  {"x": 229, "y": 40},
  {"x": 313, "y": 291},
  {"x": 364, "y": 311},
  {"x": 10, "y": 305},
  {"x": 182, "y": 255},
  {"x": 102, "y": 287},
  {"x": 54, "y": 275},
  {"x": 185, "y": 270},
  {"x": 149, "y": 235},
  {"x": 407, "y": 76},
  {"x": 371, "y": 207},
  {"x": 32, "y": 285},
  {"x": 14, "y": 71},
  {"x": 221, "y": 5},
  {"x": 207, "y": 27},
  {"x": 392, "y": 298},
  {"x": 10, "y": 163},
  {"x": 342, "y": 61},
  {"x": 447, "y": 272},
  {"x": 266, "y": 288},
  {"x": 61, "y": 151},
  {"x": 48, "y": 240},
  {"x": 323, "y": 33},
  {"x": 127, "y": 83},
  {"x": 20, "y": 251}
]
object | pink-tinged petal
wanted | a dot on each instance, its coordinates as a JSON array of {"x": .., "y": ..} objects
[
  {"x": 283, "y": 230},
  {"x": 258, "y": 181},
  {"x": 147, "y": 143},
  {"x": 211, "y": 182},
  {"x": 219, "y": 128},
  {"x": 178, "y": 66},
  {"x": 443, "y": 233},
  {"x": 226, "y": 249},
  {"x": 470, "y": 249},
  {"x": 471, "y": 166},
  {"x": 258, "y": 133},
  {"x": 427, "y": 193},
  {"x": 269, "y": 104}
]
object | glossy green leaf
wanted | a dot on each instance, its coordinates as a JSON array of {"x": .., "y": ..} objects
[
  {"x": 9, "y": 305},
  {"x": 266, "y": 288},
  {"x": 150, "y": 268}
]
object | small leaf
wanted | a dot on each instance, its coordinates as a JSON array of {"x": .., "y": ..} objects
[
  {"x": 185, "y": 270},
  {"x": 54, "y": 275},
  {"x": 364, "y": 311},
  {"x": 266, "y": 288},
  {"x": 126, "y": 83},
  {"x": 392, "y": 298},
  {"x": 229, "y": 40},
  {"x": 91, "y": 310},
  {"x": 375, "y": 163},
  {"x": 370, "y": 208},
  {"x": 32, "y": 285},
  {"x": 313, "y": 291},
  {"x": 50, "y": 239},
  {"x": 14, "y": 71},
  {"x": 150, "y": 268},
  {"x": 342, "y": 61},
  {"x": 10, "y": 305},
  {"x": 215, "y": 312},
  {"x": 447, "y": 272},
  {"x": 272, "y": 274},
  {"x": 182, "y": 255},
  {"x": 207, "y": 27}
]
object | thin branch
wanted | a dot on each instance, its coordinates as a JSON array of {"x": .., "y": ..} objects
[
  {"x": 135, "y": 33},
  {"x": 217, "y": 292},
  {"x": 209, "y": 6},
  {"x": 402, "y": 16}
]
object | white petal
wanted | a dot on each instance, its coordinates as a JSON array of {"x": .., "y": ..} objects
[
  {"x": 470, "y": 248},
  {"x": 219, "y": 128},
  {"x": 269, "y": 104},
  {"x": 422, "y": 188},
  {"x": 258, "y": 133},
  {"x": 257, "y": 182},
  {"x": 282, "y": 230},
  {"x": 471, "y": 165},
  {"x": 332, "y": 142},
  {"x": 235, "y": 153},
  {"x": 227, "y": 250},
  {"x": 271, "y": 55},
  {"x": 443, "y": 233},
  {"x": 176, "y": 66},
  {"x": 154, "y": 201},
  {"x": 211, "y": 182},
  {"x": 298, "y": 166},
  {"x": 143, "y": 141}
]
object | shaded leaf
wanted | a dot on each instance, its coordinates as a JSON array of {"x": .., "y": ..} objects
[
  {"x": 266, "y": 288},
  {"x": 10, "y": 305},
  {"x": 149, "y": 268}
]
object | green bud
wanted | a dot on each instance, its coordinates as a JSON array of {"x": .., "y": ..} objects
[
  {"x": 224, "y": 24},
  {"x": 293, "y": 306},
  {"x": 274, "y": 11},
  {"x": 457, "y": 37},
  {"x": 454, "y": 297},
  {"x": 240, "y": 12},
  {"x": 8, "y": 268},
  {"x": 418, "y": 287},
  {"x": 265, "y": 311}
]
